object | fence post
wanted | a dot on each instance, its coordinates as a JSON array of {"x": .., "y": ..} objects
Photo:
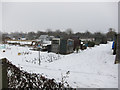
[
  {"x": 3, "y": 74},
  {"x": 117, "y": 59},
  {"x": 0, "y": 74}
]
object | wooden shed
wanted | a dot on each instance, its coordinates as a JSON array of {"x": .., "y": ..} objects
[
  {"x": 62, "y": 46},
  {"x": 55, "y": 45},
  {"x": 66, "y": 46}
]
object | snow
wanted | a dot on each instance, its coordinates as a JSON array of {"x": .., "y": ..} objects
[
  {"x": 21, "y": 42},
  {"x": 91, "y": 68}
]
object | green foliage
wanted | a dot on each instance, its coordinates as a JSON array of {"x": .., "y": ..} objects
[{"x": 91, "y": 44}]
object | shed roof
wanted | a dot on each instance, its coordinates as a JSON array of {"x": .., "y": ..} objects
[{"x": 43, "y": 36}]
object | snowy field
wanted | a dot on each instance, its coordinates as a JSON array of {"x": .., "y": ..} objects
[{"x": 91, "y": 68}]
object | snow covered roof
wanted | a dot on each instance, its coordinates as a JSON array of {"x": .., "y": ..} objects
[
  {"x": 56, "y": 39},
  {"x": 43, "y": 36},
  {"x": 21, "y": 42}
]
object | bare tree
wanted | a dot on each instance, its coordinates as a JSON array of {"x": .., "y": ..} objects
[
  {"x": 0, "y": 37},
  {"x": 111, "y": 33},
  {"x": 49, "y": 31},
  {"x": 69, "y": 31},
  {"x": 31, "y": 35},
  {"x": 58, "y": 31}
]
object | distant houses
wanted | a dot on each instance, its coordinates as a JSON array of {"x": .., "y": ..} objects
[{"x": 60, "y": 45}]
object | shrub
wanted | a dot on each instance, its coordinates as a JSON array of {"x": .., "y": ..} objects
[{"x": 91, "y": 44}]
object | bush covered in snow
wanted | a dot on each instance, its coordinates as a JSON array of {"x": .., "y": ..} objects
[{"x": 21, "y": 79}]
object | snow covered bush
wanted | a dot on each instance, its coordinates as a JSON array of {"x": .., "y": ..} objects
[{"x": 23, "y": 80}]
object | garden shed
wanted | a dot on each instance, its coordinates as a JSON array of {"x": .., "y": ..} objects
[
  {"x": 66, "y": 46},
  {"x": 62, "y": 46}
]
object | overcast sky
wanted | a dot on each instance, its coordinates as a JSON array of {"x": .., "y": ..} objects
[
  {"x": 79, "y": 16},
  {"x": 0, "y": 16}
]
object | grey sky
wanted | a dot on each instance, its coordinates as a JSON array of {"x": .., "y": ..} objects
[
  {"x": 80, "y": 16},
  {"x": 0, "y": 16},
  {"x": 119, "y": 17}
]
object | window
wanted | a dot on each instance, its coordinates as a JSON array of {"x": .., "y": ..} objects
[{"x": 55, "y": 42}]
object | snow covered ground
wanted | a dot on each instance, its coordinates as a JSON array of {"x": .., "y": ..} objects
[
  {"x": 91, "y": 68},
  {"x": 21, "y": 42}
]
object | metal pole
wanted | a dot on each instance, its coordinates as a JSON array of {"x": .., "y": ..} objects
[
  {"x": 58, "y": 51},
  {"x": 39, "y": 56}
]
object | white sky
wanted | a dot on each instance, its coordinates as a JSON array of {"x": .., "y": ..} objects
[
  {"x": 60, "y": 0},
  {"x": 0, "y": 16},
  {"x": 80, "y": 16}
]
